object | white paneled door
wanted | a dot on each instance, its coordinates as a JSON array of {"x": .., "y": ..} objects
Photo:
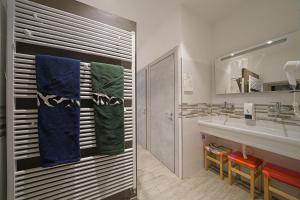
[
  {"x": 141, "y": 108},
  {"x": 161, "y": 110}
]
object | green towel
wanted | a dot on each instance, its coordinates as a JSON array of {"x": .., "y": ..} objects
[{"x": 108, "y": 89}]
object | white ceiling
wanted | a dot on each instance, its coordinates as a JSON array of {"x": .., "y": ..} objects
[{"x": 213, "y": 10}]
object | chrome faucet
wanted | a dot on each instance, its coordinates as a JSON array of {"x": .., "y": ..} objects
[
  {"x": 275, "y": 108},
  {"x": 278, "y": 108},
  {"x": 228, "y": 106}
]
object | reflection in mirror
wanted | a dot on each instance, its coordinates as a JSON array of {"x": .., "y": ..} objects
[{"x": 259, "y": 68}]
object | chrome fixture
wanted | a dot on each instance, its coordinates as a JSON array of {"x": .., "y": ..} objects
[
  {"x": 278, "y": 108},
  {"x": 228, "y": 106}
]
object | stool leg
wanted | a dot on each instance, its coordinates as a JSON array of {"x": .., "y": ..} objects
[
  {"x": 229, "y": 173},
  {"x": 238, "y": 177},
  {"x": 260, "y": 179},
  {"x": 205, "y": 161},
  {"x": 252, "y": 183},
  {"x": 266, "y": 188},
  {"x": 204, "y": 158},
  {"x": 221, "y": 167}
]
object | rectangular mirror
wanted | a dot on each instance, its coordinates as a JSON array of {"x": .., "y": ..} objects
[{"x": 258, "y": 68}]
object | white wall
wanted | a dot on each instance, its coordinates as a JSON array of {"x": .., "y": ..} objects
[
  {"x": 196, "y": 49},
  {"x": 192, "y": 147},
  {"x": 257, "y": 21},
  {"x": 157, "y": 24},
  {"x": 253, "y": 23},
  {"x": 196, "y": 43}
]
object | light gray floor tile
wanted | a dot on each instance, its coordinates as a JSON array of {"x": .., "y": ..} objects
[{"x": 156, "y": 182}]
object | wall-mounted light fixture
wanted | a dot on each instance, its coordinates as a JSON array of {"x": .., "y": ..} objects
[{"x": 261, "y": 46}]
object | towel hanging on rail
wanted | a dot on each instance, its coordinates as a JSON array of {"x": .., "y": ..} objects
[
  {"x": 108, "y": 89},
  {"x": 58, "y": 93}
]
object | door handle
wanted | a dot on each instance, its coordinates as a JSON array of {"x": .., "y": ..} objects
[{"x": 169, "y": 116}]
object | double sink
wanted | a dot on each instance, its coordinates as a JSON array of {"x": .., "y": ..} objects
[{"x": 272, "y": 136}]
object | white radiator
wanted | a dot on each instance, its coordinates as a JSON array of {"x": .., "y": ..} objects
[{"x": 95, "y": 176}]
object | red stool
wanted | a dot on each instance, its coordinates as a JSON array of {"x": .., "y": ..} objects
[
  {"x": 283, "y": 175},
  {"x": 220, "y": 156},
  {"x": 252, "y": 163}
]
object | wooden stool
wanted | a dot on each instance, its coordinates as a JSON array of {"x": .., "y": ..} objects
[
  {"x": 252, "y": 163},
  {"x": 218, "y": 151},
  {"x": 283, "y": 175}
]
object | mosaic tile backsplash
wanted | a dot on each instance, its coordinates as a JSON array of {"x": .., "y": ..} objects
[{"x": 263, "y": 112}]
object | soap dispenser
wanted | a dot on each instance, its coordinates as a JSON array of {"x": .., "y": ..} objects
[{"x": 249, "y": 111}]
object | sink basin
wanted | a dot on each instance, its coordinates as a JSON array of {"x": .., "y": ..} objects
[
  {"x": 257, "y": 127},
  {"x": 276, "y": 137}
]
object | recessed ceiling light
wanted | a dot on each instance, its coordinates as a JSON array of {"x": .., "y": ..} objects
[
  {"x": 269, "y": 42},
  {"x": 232, "y": 54}
]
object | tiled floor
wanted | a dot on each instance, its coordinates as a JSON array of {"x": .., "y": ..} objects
[{"x": 156, "y": 182}]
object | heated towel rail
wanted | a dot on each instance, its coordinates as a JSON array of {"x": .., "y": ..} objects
[{"x": 95, "y": 176}]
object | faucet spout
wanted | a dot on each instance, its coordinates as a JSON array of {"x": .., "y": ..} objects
[{"x": 276, "y": 108}]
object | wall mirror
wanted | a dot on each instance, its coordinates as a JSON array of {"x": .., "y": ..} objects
[{"x": 258, "y": 68}]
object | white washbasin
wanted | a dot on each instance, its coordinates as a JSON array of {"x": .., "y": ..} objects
[
  {"x": 269, "y": 128},
  {"x": 267, "y": 135}
]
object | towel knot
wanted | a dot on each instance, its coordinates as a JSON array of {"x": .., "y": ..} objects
[
  {"x": 53, "y": 101},
  {"x": 103, "y": 99}
]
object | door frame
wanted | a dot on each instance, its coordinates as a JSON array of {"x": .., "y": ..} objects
[{"x": 177, "y": 101}]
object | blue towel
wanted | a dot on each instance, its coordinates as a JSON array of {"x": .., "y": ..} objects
[{"x": 58, "y": 93}]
